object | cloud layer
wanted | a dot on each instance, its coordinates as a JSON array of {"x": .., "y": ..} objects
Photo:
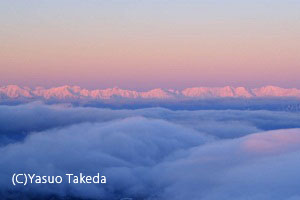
[
  {"x": 152, "y": 153},
  {"x": 18, "y": 121}
]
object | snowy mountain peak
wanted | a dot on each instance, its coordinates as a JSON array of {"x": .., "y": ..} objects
[
  {"x": 276, "y": 91},
  {"x": 75, "y": 92},
  {"x": 14, "y": 91},
  {"x": 157, "y": 93}
]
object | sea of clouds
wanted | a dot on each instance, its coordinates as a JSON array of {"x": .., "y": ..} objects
[{"x": 152, "y": 153}]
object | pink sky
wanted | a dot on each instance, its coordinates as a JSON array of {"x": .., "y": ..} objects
[{"x": 146, "y": 45}]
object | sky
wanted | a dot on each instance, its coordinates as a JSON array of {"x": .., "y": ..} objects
[{"x": 139, "y": 44}]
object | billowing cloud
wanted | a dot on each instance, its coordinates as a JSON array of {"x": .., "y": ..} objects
[
  {"x": 18, "y": 121},
  {"x": 152, "y": 153},
  {"x": 120, "y": 149},
  {"x": 260, "y": 166}
]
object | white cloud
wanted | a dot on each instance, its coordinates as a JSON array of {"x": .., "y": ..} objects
[{"x": 153, "y": 153}]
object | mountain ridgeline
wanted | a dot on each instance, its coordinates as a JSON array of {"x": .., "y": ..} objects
[{"x": 263, "y": 98}]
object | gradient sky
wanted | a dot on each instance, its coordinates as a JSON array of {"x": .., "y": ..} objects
[{"x": 143, "y": 44}]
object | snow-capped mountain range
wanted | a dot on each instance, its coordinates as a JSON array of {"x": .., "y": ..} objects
[{"x": 75, "y": 92}]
